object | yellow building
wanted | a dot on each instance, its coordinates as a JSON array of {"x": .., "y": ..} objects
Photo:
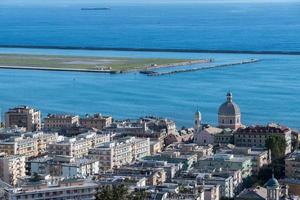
[
  {"x": 28, "y": 144},
  {"x": 96, "y": 121},
  {"x": 58, "y": 122}
]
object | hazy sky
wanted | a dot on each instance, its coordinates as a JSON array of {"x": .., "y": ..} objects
[{"x": 24, "y": 2}]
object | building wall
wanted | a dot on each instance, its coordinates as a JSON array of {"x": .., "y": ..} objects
[
  {"x": 97, "y": 122},
  {"x": 259, "y": 139},
  {"x": 204, "y": 138},
  {"x": 60, "y": 121},
  {"x": 232, "y": 122},
  {"x": 26, "y": 117},
  {"x": 12, "y": 168}
]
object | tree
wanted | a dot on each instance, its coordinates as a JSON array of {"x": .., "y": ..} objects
[
  {"x": 277, "y": 145},
  {"x": 138, "y": 195},
  {"x": 113, "y": 193}
]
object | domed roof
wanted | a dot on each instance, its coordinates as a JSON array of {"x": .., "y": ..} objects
[
  {"x": 272, "y": 182},
  {"x": 229, "y": 108}
]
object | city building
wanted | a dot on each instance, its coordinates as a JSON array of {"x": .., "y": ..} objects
[
  {"x": 52, "y": 188},
  {"x": 292, "y": 165},
  {"x": 225, "y": 137},
  {"x": 256, "y": 136},
  {"x": 60, "y": 122},
  {"x": 260, "y": 156},
  {"x": 23, "y": 116},
  {"x": 79, "y": 146},
  {"x": 154, "y": 176},
  {"x": 155, "y": 146},
  {"x": 121, "y": 152},
  {"x": 272, "y": 190},
  {"x": 19, "y": 146},
  {"x": 171, "y": 156},
  {"x": 96, "y": 121},
  {"x": 184, "y": 135},
  {"x": 12, "y": 168},
  {"x": 64, "y": 166},
  {"x": 147, "y": 127},
  {"x": 191, "y": 148},
  {"x": 206, "y": 135},
  {"x": 226, "y": 161},
  {"x": 229, "y": 114},
  {"x": 28, "y": 144}
]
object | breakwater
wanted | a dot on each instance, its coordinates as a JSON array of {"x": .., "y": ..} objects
[
  {"x": 176, "y": 50},
  {"x": 153, "y": 73}
]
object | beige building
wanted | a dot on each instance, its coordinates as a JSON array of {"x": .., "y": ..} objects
[
  {"x": 96, "y": 121},
  {"x": 23, "y": 116},
  {"x": 229, "y": 114},
  {"x": 79, "y": 146},
  {"x": 28, "y": 144},
  {"x": 19, "y": 146},
  {"x": 12, "y": 168},
  {"x": 256, "y": 136},
  {"x": 58, "y": 122},
  {"x": 122, "y": 152},
  {"x": 53, "y": 189},
  {"x": 206, "y": 136}
]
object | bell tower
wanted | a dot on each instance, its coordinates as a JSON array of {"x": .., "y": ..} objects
[{"x": 197, "y": 125}]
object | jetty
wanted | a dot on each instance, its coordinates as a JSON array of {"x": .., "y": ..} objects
[{"x": 155, "y": 73}]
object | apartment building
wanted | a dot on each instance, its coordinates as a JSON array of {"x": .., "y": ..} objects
[
  {"x": 60, "y": 122},
  {"x": 28, "y": 144},
  {"x": 23, "y": 116},
  {"x": 147, "y": 127},
  {"x": 96, "y": 121},
  {"x": 226, "y": 161},
  {"x": 52, "y": 188},
  {"x": 79, "y": 146},
  {"x": 64, "y": 166},
  {"x": 124, "y": 151},
  {"x": 12, "y": 168},
  {"x": 19, "y": 146},
  {"x": 260, "y": 156},
  {"x": 256, "y": 136}
]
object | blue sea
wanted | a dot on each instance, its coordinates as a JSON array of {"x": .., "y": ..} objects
[{"x": 267, "y": 91}]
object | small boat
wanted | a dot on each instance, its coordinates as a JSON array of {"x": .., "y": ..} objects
[{"x": 95, "y": 8}]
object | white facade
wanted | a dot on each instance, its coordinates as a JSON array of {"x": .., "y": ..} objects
[{"x": 12, "y": 168}]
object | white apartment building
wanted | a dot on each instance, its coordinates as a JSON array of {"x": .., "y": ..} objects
[
  {"x": 121, "y": 152},
  {"x": 12, "y": 168},
  {"x": 52, "y": 189},
  {"x": 79, "y": 146}
]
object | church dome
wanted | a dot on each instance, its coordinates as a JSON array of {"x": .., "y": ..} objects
[
  {"x": 272, "y": 182},
  {"x": 229, "y": 108}
]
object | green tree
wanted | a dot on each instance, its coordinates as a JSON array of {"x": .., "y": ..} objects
[
  {"x": 113, "y": 193},
  {"x": 138, "y": 195},
  {"x": 277, "y": 145}
]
